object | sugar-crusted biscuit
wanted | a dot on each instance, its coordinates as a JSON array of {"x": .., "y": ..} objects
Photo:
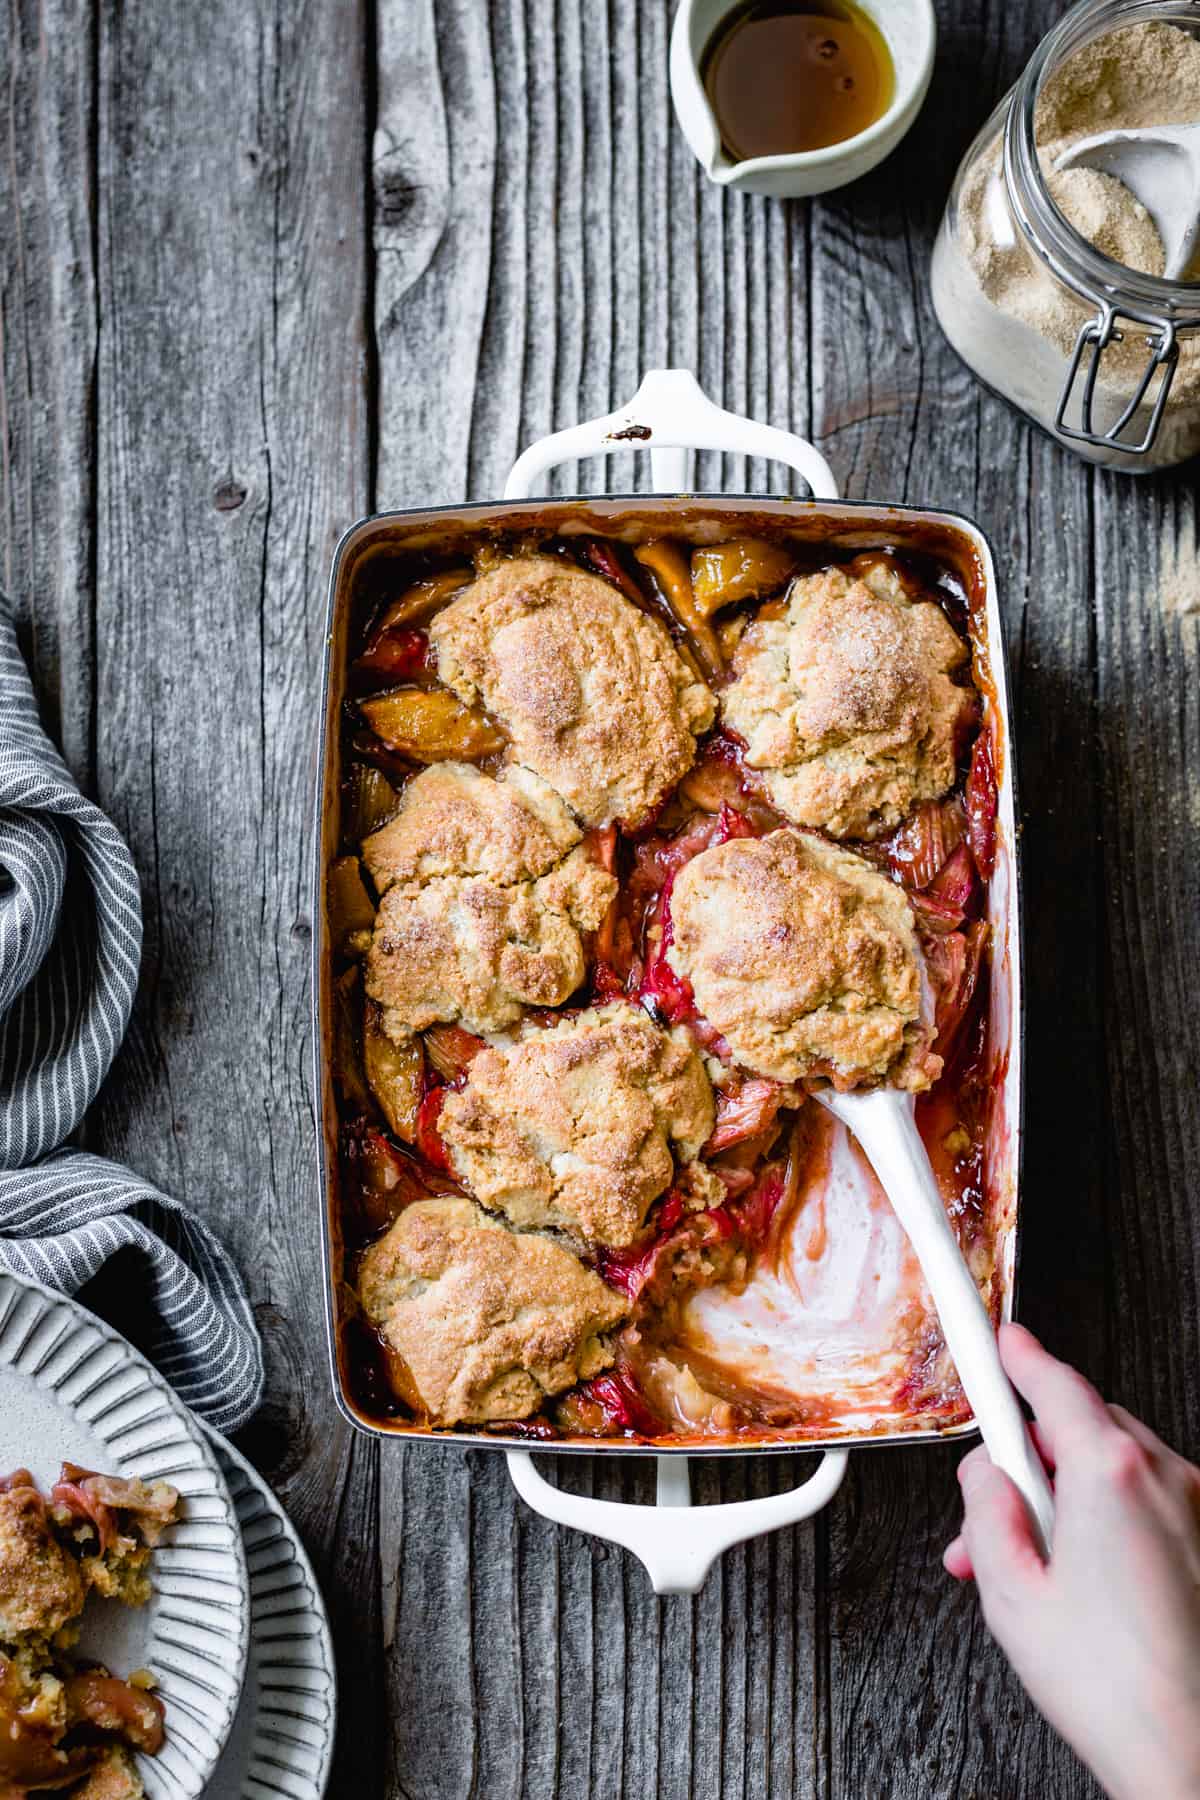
[
  {"x": 579, "y": 1126},
  {"x": 846, "y": 704},
  {"x": 481, "y": 1322},
  {"x": 486, "y": 887},
  {"x": 591, "y": 691},
  {"x": 805, "y": 958}
]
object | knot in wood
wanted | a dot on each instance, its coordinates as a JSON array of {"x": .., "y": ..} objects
[{"x": 228, "y": 495}]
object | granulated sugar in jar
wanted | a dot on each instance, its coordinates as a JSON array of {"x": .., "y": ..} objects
[{"x": 1028, "y": 257}]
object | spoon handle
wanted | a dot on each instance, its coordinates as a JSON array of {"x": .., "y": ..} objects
[{"x": 885, "y": 1125}]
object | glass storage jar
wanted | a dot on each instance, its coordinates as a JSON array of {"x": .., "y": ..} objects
[{"x": 1104, "y": 358}]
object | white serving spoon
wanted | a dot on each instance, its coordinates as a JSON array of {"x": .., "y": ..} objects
[
  {"x": 884, "y": 1122},
  {"x": 1160, "y": 166}
]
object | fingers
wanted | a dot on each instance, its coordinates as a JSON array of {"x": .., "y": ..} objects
[
  {"x": 997, "y": 1536},
  {"x": 1042, "y": 1445},
  {"x": 956, "y": 1558},
  {"x": 957, "y": 1562},
  {"x": 1181, "y": 1476},
  {"x": 1145, "y": 1437},
  {"x": 1065, "y": 1403}
]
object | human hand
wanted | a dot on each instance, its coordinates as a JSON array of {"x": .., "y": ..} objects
[{"x": 1106, "y": 1634}]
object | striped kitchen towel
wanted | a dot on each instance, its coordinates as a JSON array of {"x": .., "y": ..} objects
[{"x": 70, "y": 943}]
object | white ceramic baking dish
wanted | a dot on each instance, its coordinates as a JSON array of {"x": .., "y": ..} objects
[{"x": 670, "y": 418}]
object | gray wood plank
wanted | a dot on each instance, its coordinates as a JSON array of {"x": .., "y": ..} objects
[
  {"x": 1147, "y": 726},
  {"x": 558, "y": 275},
  {"x": 921, "y": 1701},
  {"x": 47, "y": 354},
  {"x": 232, "y": 448},
  {"x": 184, "y": 426}
]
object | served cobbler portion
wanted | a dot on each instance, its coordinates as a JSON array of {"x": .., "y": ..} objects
[
  {"x": 68, "y": 1726},
  {"x": 644, "y": 839}
]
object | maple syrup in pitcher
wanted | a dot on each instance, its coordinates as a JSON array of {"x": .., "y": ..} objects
[{"x": 785, "y": 77}]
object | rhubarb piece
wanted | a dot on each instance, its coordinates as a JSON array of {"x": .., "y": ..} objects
[
  {"x": 429, "y": 1141},
  {"x": 602, "y": 846},
  {"x": 146, "y": 1507},
  {"x": 744, "y": 1109},
  {"x": 666, "y": 995},
  {"x": 418, "y": 603},
  {"x": 394, "y": 1073},
  {"x": 371, "y": 801},
  {"x": 380, "y": 1178},
  {"x": 733, "y": 824},
  {"x": 928, "y": 837},
  {"x": 982, "y": 805},
  {"x": 955, "y": 884},
  {"x": 430, "y": 725},
  {"x": 451, "y": 1050},
  {"x": 744, "y": 568},
  {"x": 351, "y": 915},
  {"x": 608, "y": 1406},
  {"x": 604, "y": 560},
  {"x": 370, "y": 749},
  {"x": 953, "y": 964},
  {"x": 669, "y": 567},
  {"x": 395, "y": 653},
  {"x": 347, "y": 1041},
  {"x": 606, "y": 984}
]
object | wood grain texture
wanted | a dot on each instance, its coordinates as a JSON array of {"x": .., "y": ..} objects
[
  {"x": 232, "y": 449},
  {"x": 264, "y": 267},
  {"x": 921, "y": 1701},
  {"x": 48, "y": 332}
]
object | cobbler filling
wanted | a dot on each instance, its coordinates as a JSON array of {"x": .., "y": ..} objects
[
  {"x": 831, "y": 915},
  {"x": 68, "y": 1725}
]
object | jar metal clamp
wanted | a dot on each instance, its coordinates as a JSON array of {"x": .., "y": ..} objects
[{"x": 1163, "y": 308}]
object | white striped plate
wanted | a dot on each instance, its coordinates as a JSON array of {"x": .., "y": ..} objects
[
  {"x": 70, "y": 1388},
  {"x": 281, "y": 1744}
]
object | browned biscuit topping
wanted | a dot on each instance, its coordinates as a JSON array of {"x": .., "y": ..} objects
[
  {"x": 482, "y": 1322},
  {"x": 114, "y": 1777},
  {"x": 486, "y": 888},
  {"x": 846, "y": 704},
  {"x": 590, "y": 690},
  {"x": 41, "y": 1586},
  {"x": 574, "y": 1126},
  {"x": 805, "y": 958},
  {"x": 455, "y": 821}
]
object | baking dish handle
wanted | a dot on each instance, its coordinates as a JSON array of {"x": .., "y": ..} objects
[
  {"x": 676, "y": 1542},
  {"x": 671, "y": 416}
]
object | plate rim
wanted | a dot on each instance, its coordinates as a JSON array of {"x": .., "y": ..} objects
[
  {"x": 196, "y": 1432},
  {"x": 288, "y": 1529}
]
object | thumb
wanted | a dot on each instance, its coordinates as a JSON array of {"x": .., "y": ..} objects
[{"x": 998, "y": 1538}]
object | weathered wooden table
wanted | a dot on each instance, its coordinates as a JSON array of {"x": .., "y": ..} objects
[{"x": 267, "y": 267}]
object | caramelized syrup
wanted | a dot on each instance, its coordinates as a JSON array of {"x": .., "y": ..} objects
[{"x": 789, "y": 75}]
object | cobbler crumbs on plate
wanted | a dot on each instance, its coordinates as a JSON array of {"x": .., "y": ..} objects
[
  {"x": 68, "y": 1726},
  {"x": 643, "y": 839}
]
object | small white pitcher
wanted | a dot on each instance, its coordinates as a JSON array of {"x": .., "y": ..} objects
[{"x": 910, "y": 32}]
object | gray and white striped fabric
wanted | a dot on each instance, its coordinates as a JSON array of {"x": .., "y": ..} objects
[{"x": 70, "y": 944}]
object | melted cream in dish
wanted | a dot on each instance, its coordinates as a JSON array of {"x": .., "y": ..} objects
[{"x": 833, "y": 1320}]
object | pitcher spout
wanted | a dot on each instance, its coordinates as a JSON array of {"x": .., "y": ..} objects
[{"x": 689, "y": 35}]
